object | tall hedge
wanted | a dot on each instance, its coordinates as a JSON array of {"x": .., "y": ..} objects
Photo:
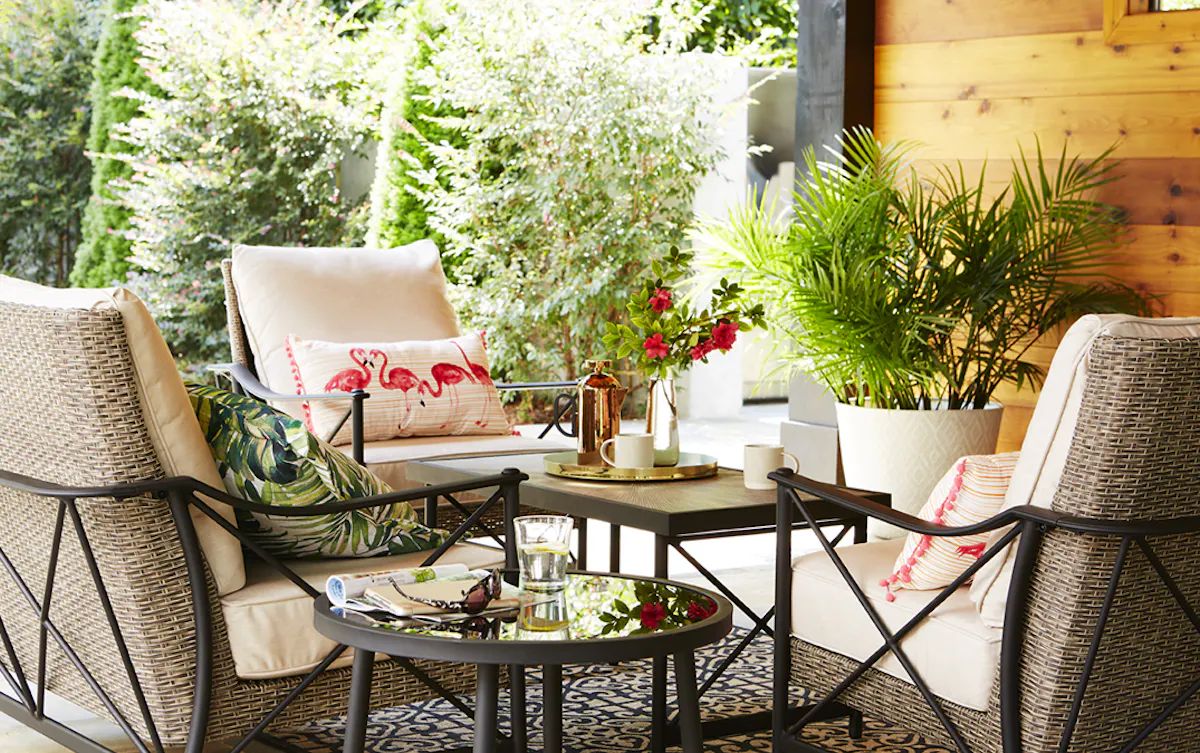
[
  {"x": 399, "y": 216},
  {"x": 46, "y": 49},
  {"x": 103, "y": 256}
]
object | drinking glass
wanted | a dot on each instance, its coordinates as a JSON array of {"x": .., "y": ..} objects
[
  {"x": 544, "y": 620},
  {"x": 543, "y": 547}
]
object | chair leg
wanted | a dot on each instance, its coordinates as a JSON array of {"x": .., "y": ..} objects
[{"x": 856, "y": 725}]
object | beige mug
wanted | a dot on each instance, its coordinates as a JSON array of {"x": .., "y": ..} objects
[
  {"x": 629, "y": 451},
  {"x": 762, "y": 459}
]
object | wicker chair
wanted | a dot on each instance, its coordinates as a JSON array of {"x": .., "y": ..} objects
[
  {"x": 1097, "y": 638},
  {"x": 386, "y": 459},
  {"x": 110, "y": 600}
]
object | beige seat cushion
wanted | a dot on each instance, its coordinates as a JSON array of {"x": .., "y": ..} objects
[
  {"x": 953, "y": 651},
  {"x": 270, "y": 621},
  {"x": 170, "y": 422},
  {"x": 1051, "y": 430},
  {"x": 388, "y": 459},
  {"x": 341, "y": 295}
]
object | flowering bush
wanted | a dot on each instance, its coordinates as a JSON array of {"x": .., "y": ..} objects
[
  {"x": 585, "y": 141},
  {"x": 260, "y": 101},
  {"x": 669, "y": 335}
]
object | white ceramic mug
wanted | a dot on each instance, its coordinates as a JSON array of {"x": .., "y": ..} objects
[
  {"x": 629, "y": 451},
  {"x": 762, "y": 459}
]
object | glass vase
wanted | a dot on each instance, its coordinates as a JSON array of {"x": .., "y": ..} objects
[{"x": 662, "y": 421}]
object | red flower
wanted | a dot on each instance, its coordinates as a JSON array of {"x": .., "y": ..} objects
[
  {"x": 696, "y": 612},
  {"x": 661, "y": 300},
  {"x": 724, "y": 335},
  {"x": 702, "y": 349},
  {"x": 655, "y": 347},
  {"x": 652, "y": 614}
]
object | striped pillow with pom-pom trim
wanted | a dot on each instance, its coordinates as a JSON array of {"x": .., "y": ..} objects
[{"x": 971, "y": 491}]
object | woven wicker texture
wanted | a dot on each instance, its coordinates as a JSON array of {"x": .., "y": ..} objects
[
  {"x": 881, "y": 696},
  {"x": 239, "y": 346},
  {"x": 1135, "y": 455},
  {"x": 69, "y": 414}
]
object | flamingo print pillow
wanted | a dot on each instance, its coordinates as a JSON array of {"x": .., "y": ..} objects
[
  {"x": 971, "y": 491},
  {"x": 418, "y": 388}
]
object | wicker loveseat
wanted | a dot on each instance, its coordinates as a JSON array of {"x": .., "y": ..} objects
[
  {"x": 1080, "y": 632},
  {"x": 126, "y": 589}
]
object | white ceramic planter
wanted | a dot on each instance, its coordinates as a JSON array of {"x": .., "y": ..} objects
[{"x": 906, "y": 452}]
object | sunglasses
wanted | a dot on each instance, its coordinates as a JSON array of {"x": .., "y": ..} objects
[{"x": 474, "y": 601}]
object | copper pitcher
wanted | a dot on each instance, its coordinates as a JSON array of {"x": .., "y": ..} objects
[{"x": 599, "y": 397}]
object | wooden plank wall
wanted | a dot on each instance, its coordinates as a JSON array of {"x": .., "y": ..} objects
[{"x": 972, "y": 78}]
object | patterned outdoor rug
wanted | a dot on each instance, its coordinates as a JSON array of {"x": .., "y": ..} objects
[{"x": 607, "y": 708}]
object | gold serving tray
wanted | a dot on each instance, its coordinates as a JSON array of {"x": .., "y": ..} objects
[{"x": 691, "y": 466}]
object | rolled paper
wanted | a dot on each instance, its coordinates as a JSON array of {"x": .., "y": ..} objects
[{"x": 343, "y": 589}]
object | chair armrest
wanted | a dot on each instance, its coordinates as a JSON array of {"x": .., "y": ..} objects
[
  {"x": 254, "y": 386},
  {"x": 847, "y": 499},
  {"x": 534, "y": 386},
  {"x": 189, "y": 484}
]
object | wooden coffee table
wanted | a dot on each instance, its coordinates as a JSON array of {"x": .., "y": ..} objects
[{"x": 676, "y": 513}]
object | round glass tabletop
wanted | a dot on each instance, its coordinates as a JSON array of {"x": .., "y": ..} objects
[{"x": 595, "y": 618}]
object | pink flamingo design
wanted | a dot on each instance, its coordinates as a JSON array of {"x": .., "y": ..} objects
[
  {"x": 349, "y": 380},
  {"x": 398, "y": 378},
  {"x": 484, "y": 377},
  {"x": 973, "y": 550},
  {"x": 445, "y": 375}
]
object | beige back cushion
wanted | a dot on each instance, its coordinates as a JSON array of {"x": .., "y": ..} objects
[
  {"x": 174, "y": 431},
  {"x": 1051, "y": 431},
  {"x": 341, "y": 295}
]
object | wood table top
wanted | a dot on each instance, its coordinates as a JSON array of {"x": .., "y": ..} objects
[{"x": 672, "y": 508}]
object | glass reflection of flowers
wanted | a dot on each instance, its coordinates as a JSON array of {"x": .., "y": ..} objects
[
  {"x": 667, "y": 334},
  {"x": 656, "y": 607}
]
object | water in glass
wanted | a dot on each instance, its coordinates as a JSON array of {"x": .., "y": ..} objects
[{"x": 543, "y": 548}]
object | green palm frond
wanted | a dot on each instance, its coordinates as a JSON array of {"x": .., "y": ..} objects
[{"x": 903, "y": 291}]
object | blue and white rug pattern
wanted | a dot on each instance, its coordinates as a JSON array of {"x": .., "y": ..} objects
[{"x": 606, "y": 709}]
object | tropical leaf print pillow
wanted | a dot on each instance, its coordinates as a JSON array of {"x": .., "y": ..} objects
[{"x": 269, "y": 457}]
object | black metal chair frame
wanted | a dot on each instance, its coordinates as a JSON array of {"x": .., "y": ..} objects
[
  {"x": 244, "y": 381},
  {"x": 1030, "y": 523},
  {"x": 180, "y": 494}
]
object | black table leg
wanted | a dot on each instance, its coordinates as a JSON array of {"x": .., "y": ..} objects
[
  {"x": 552, "y": 739},
  {"x": 691, "y": 739},
  {"x": 581, "y": 560},
  {"x": 658, "y": 710},
  {"x": 360, "y": 702},
  {"x": 516, "y": 701},
  {"x": 860, "y": 531},
  {"x": 487, "y": 691},
  {"x": 614, "y": 548}
]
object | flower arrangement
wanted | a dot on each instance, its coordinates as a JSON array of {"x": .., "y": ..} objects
[
  {"x": 666, "y": 334},
  {"x": 656, "y": 607}
]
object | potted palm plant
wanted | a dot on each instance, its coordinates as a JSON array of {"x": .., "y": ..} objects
[{"x": 912, "y": 299}]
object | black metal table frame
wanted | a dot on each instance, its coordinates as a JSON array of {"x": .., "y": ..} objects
[
  {"x": 665, "y": 728},
  {"x": 489, "y": 656}
]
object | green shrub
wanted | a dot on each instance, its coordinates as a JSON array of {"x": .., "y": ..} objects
[
  {"x": 410, "y": 123},
  {"x": 46, "y": 49},
  {"x": 259, "y": 104},
  {"x": 103, "y": 255},
  {"x": 761, "y": 31},
  {"x": 585, "y": 142}
]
